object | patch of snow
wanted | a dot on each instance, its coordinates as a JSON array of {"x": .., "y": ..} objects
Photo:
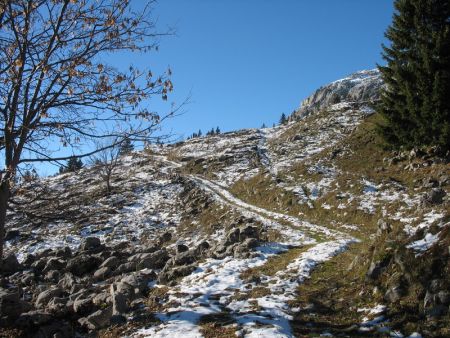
[{"x": 424, "y": 244}]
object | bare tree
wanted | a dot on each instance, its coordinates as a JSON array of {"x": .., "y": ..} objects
[
  {"x": 56, "y": 90},
  {"x": 107, "y": 160}
]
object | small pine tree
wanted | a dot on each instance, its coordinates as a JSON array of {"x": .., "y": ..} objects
[
  {"x": 263, "y": 126},
  {"x": 217, "y": 131},
  {"x": 199, "y": 134},
  {"x": 416, "y": 101},
  {"x": 126, "y": 146},
  {"x": 30, "y": 175},
  {"x": 283, "y": 119},
  {"x": 73, "y": 164}
]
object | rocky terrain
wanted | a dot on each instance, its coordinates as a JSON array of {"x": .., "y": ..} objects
[{"x": 305, "y": 229}]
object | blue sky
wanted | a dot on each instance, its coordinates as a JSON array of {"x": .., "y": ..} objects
[{"x": 245, "y": 62}]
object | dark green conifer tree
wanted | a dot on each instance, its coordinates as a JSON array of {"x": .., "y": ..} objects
[
  {"x": 73, "y": 164},
  {"x": 416, "y": 100},
  {"x": 126, "y": 146}
]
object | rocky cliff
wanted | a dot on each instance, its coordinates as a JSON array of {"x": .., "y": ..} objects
[{"x": 362, "y": 88}]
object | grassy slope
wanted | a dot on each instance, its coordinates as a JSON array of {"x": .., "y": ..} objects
[{"x": 339, "y": 287}]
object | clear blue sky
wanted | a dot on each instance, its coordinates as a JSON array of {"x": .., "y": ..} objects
[{"x": 247, "y": 61}]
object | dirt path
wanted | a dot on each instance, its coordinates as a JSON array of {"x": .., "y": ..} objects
[{"x": 257, "y": 308}]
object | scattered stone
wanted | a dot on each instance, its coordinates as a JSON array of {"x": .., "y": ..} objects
[
  {"x": 181, "y": 248},
  {"x": 112, "y": 262},
  {"x": 64, "y": 253},
  {"x": 91, "y": 244},
  {"x": 67, "y": 282},
  {"x": 55, "y": 329},
  {"x": 12, "y": 234},
  {"x": 126, "y": 267},
  {"x": 154, "y": 260},
  {"x": 45, "y": 296},
  {"x": 83, "y": 305},
  {"x": 172, "y": 274},
  {"x": 52, "y": 276},
  {"x": 394, "y": 294},
  {"x": 434, "y": 197},
  {"x": 33, "y": 318},
  {"x": 164, "y": 238},
  {"x": 10, "y": 305},
  {"x": 53, "y": 264},
  {"x": 375, "y": 269},
  {"x": 97, "y": 320},
  {"x": 383, "y": 227},
  {"x": 102, "y": 273},
  {"x": 57, "y": 306},
  {"x": 119, "y": 301},
  {"x": 83, "y": 264},
  {"x": 10, "y": 264}
]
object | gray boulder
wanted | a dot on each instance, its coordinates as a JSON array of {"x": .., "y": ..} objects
[
  {"x": 52, "y": 276},
  {"x": 375, "y": 269},
  {"x": 44, "y": 297},
  {"x": 53, "y": 264},
  {"x": 10, "y": 264},
  {"x": 33, "y": 318},
  {"x": 170, "y": 275},
  {"x": 181, "y": 248},
  {"x": 12, "y": 234},
  {"x": 102, "y": 273},
  {"x": 58, "y": 306},
  {"x": 112, "y": 262},
  {"x": 434, "y": 197},
  {"x": 91, "y": 244},
  {"x": 68, "y": 282},
  {"x": 83, "y": 305},
  {"x": 10, "y": 305},
  {"x": 97, "y": 320},
  {"x": 393, "y": 294},
  {"x": 154, "y": 260},
  {"x": 83, "y": 264},
  {"x": 126, "y": 267},
  {"x": 119, "y": 300}
]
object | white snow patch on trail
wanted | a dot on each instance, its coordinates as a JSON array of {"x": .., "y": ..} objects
[
  {"x": 209, "y": 290},
  {"x": 226, "y": 195},
  {"x": 274, "y": 309}
]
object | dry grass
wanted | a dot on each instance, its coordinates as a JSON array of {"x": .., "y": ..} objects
[
  {"x": 214, "y": 330},
  {"x": 274, "y": 264}
]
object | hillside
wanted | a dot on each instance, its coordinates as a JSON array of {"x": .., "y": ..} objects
[{"x": 305, "y": 229}]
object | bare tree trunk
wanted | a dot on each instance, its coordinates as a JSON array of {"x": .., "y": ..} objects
[{"x": 4, "y": 197}]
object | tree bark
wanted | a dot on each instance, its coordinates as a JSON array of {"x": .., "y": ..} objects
[{"x": 4, "y": 197}]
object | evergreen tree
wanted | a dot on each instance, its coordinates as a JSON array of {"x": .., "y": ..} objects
[
  {"x": 263, "y": 126},
  {"x": 30, "y": 175},
  {"x": 73, "y": 164},
  {"x": 199, "y": 134},
  {"x": 283, "y": 119},
  {"x": 126, "y": 146},
  {"x": 416, "y": 101},
  {"x": 217, "y": 131}
]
